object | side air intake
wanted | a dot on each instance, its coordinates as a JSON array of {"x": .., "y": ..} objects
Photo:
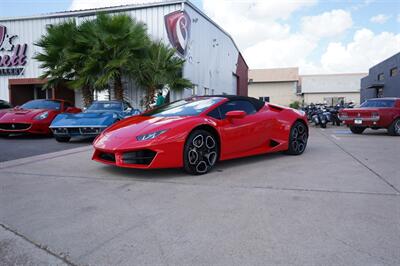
[{"x": 273, "y": 143}]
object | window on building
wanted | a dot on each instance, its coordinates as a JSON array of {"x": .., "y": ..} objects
[
  {"x": 379, "y": 93},
  {"x": 212, "y": 92},
  {"x": 332, "y": 101},
  {"x": 195, "y": 89},
  {"x": 381, "y": 77},
  {"x": 250, "y": 80},
  {"x": 206, "y": 91},
  {"x": 264, "y": 99},
  {"x": 394, "y": 71}
]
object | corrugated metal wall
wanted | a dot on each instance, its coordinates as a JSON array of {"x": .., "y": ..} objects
[{"x": 211, "y": 58}]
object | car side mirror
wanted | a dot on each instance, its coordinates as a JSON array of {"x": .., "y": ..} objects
[{"x": 235, "y": 114}]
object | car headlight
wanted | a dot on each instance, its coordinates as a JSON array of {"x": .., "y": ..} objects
[
  {"x": 42, "y": 116},
  {"x": 151, "y": 135}
]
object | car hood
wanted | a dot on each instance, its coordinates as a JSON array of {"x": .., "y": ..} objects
[
  {"x": 84, "y": 119},
  {"x": 138, "y": 125},
  {"x": 18, "y": 114},
  {"x": 124, "y": 133}
]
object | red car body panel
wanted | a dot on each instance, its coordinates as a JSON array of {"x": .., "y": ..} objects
[
  {"x": 24, "y": 119},
  {"x": 247, "y": 136},
  {"x": 376, "y": 117}
]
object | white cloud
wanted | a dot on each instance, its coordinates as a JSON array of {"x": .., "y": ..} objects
[
  {"x": 365, "y": 50},
  {"x": 290, "y": 51},
  {"x": 327, "y": 24},
  {"x": 380, "y": 19},
  {"x": 250, "y": 22},
  {"x": 87, "y": 4}
]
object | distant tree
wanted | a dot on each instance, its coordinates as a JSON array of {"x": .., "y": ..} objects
[
  {"x": 57, "y": 62},
  {"x": 118, "y": 46},
  {"x": 160, "y": 67}
]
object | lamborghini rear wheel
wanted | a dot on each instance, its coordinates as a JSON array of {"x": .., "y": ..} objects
[
  {"x": 298, "y": 138},
  {"x": 200, "y": 152}
]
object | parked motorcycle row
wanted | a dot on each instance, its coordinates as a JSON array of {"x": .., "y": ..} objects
[{"x": 322, "y": 114}]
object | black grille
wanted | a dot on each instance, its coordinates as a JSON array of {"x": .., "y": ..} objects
[
  {"x": 107, "y": 157},
  {"x": 74, "y": 130},
  {"x": 139, "y": 157},
  {"x": 14, "y": 126}
]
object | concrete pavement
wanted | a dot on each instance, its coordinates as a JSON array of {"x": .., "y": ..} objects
[{"x": 337, "y": 204}]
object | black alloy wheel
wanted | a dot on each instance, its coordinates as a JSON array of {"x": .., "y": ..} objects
[
  {"x": 200, "y": 152},
  {"x": 298, "y": 138},
  {"x": 394, "y": 128}
]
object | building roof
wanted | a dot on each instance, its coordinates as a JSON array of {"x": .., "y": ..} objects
[
  {"x": 93, "y": 11},
  {"x": 274, "y": 75}
]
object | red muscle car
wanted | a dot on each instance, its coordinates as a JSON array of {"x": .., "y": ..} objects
[
  {"x": 195, "y": 133},
  {"x": 33, "y": 117},
  {"x": 374, "y": 113}
]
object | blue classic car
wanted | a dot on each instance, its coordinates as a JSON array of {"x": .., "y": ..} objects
[{"x": 92, "y": 121}]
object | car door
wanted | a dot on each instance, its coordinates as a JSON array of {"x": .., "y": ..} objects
[{"x": 243, "y": 134}]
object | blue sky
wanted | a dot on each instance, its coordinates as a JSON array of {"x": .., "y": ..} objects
[{"x": 316, "y": 35}]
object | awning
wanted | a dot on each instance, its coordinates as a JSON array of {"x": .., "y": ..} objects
[{"x": 376, "y": 86}]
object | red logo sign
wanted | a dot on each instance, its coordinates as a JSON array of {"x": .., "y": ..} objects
[{"x": 178, "y": 28}]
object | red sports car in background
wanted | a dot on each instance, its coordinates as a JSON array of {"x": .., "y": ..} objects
[
  {"x": 33, "y": 117},
  {"x": 374, "y": 113},
  {"x": 195, "y": 133}
]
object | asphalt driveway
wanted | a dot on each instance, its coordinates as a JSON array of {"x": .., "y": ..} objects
[
  {"x": 21, "y": 146},
  {"x": 337, "y": 204}
]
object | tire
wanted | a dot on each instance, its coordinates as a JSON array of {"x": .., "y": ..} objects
[
  {"x": 4, "y": 135},
  {"x": 62, "y": 139},
  {"x": 298, "y": 138},
  {"x": 394, "y": 128},
  {"x": 357, "y": 130},
  {"x": 200, "y": 153},
  {"x": 323, "y": 125}
]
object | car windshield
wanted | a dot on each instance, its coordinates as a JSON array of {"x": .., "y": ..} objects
[
  {"x": 378, "y": 103},
  {"x": 105, "y": 106},
  {"x": 186, "y": 107},
  {"x": 42, "y": 104}
]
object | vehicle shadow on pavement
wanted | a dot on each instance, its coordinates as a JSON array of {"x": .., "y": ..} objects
[
  {"x": 180, "y": 173},
  {"x": 33, "y": 137}
]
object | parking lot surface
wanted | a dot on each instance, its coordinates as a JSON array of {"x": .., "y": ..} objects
[
  {"x": 21, "y": 146},
  {"x": 337, "y": 204}
]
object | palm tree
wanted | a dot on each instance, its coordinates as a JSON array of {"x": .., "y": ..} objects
[
  {"x": 59, "y": 67},
  {"x": 160, "y": 67},
  {"x": 119, "y": 44}
]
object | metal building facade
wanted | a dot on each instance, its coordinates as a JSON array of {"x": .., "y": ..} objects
[
  {"x": 383, "y": 79},
  {"x": 213, "y": 61}
]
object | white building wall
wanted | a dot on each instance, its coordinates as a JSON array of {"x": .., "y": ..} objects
[
  {"x": 211, "y": 56},
  {"x": 331, "y": 83}
]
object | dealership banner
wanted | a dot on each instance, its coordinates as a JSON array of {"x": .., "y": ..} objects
[{"x": 12, "y": 56}]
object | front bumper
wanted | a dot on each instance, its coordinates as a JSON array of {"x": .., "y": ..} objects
[
  {"x": 142, "y": 156},
  {"x": 76, "y": 131},
  {"x": 24, "y": 127}
]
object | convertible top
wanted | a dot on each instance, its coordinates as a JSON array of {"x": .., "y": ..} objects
[{"x": 258, "y": 104}]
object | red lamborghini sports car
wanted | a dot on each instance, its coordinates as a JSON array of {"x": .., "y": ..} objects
[
  {"x": 33, "y": 117},
  {"x": 195, "y": 133}
]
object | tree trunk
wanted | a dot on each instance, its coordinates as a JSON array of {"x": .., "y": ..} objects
[
  {"x": 87, "y": 95},
  {"x": 118, "y": 89},
  {"x": 149, "y": 98}
]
